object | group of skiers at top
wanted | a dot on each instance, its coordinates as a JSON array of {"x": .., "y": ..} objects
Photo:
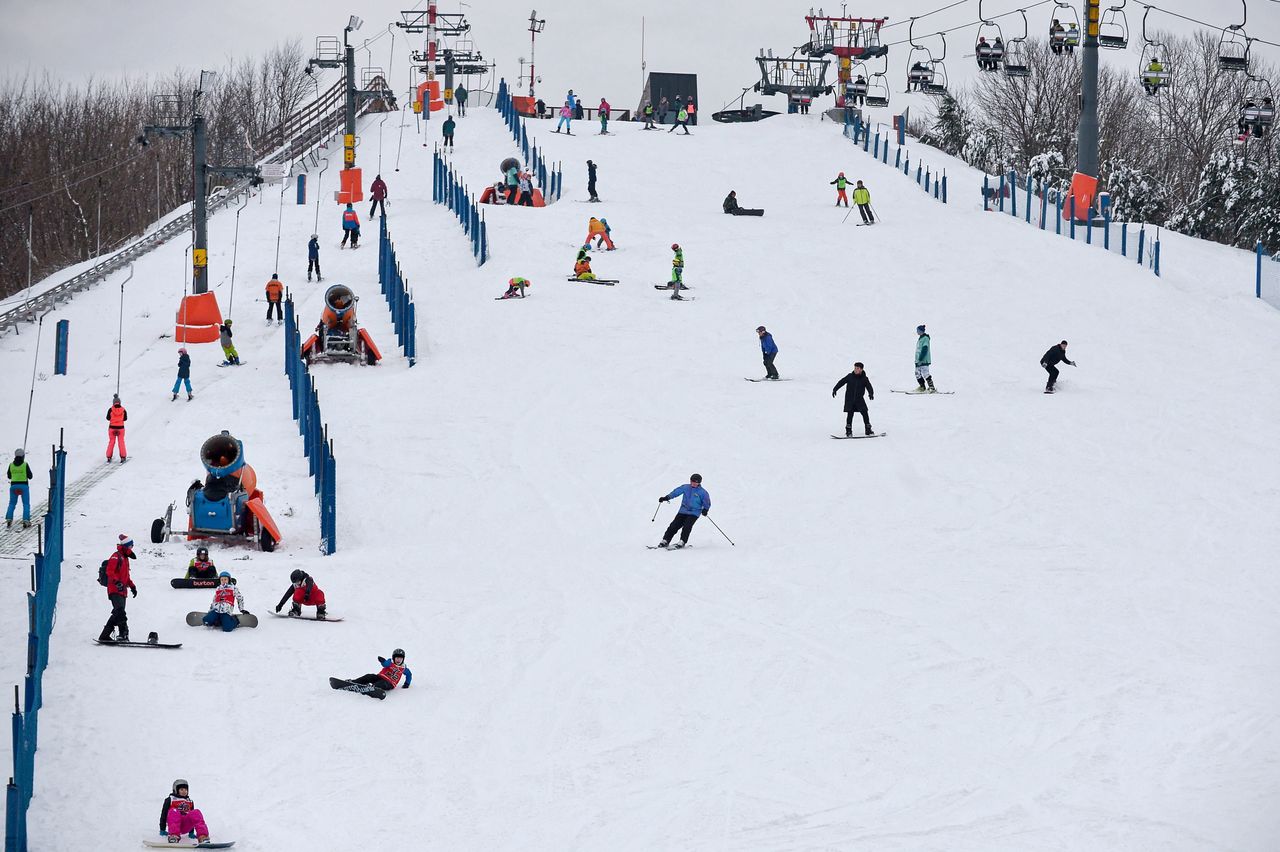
[{"x": 572, "y": 109}]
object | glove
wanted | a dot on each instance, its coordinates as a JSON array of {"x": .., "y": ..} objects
[
  {"x": 279, "y": 607},
  {"x": 134, "y": 589},
  {"x": 833, "y": 394},
  {"x": 244, "y": 611},
  {"x": 1072, "y": 363},
  {"x": 871, "y": 397},
  {"x": 705, "y": 512},
  {"x": 663, "y": 499}
]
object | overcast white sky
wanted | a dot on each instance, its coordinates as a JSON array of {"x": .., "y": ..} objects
[{"x": 591, "y": 47}]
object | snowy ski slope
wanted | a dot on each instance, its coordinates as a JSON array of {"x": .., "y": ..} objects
[{"x": 1017, "y": 622}]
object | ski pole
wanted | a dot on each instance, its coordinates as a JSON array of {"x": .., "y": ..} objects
[
  {"x": 875, "y": 214},
  {"x": 651, "y": 520},
  {"x": 717, "y": 526},
  {"x": 846, "y": 216}
]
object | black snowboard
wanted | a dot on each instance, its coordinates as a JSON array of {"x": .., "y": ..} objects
[
  {"x": 138, "y": 644},
  {"x": 362, "y": 688},
  {"x": 184, "y": 583}
]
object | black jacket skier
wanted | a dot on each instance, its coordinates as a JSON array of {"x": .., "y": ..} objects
[
  {"x": 591, "y": 180},
  {"x": 855, "y": 384},
  {"x": 1057, "y": 354}
]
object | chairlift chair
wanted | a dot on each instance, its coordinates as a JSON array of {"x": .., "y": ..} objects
[
  {"x": 1113, "y": 29},
  {"x": 1017, "y": 59},
  {"x": 1155, "y": 78},
  {"x": 878, "y": 90},
  {"x": 937, "y": 85},
  {"x": 1259, "y": 110},
  {"x": 1233, "y": 50},
  {"x": 989, "y": 33}
]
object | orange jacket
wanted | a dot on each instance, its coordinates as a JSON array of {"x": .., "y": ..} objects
[
  {"x": 274, "y": 290},
  {"x": 595, "y": 227},
  {"x": 581, "y": 267},
  {"x": 116, "y": 415}
]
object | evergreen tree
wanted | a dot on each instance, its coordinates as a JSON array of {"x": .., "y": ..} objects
[
  {"x": 1135, "y": 195},
  {"x": 952, "y": 129}
]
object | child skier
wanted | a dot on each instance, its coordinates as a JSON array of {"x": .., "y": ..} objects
[
  {"x": 582, "y": 266},
  {"x": 770, "y": 351},
  {"x": 350, "y": 227},
  {"x": 178, "y": 815},
  {"x": 591, "y": 181},
  {"x": 604, "y": 117},
  {"x": 184, "y": 374},
  {"x": 677, "y": 271},
  {"x": 305, "y": 592},
  {"x": 695, "y": 502},
  {"x": 924, "y": 357},
  {"x": 392, "y": 671},
  {"x": 566, "y": 119},
  {"x": 200, "y": 567},
  {"x": 515, "y": 288},
  {"x": 526, "y": 189},
  {"x": 275, "y": 298},
  {"x": 596, "y": 228},
  {"x": 226, "y": 598},
  {"x": 116, "y": 416},
  {"x": 313, "y": 257},
  {"x": 228, "y": 345},
  {"x": 682, "y": 120},
  {"x": 840, "y": 183},
  {"x": 19, "y": 488},
  {"x": 855, "y": 385}
]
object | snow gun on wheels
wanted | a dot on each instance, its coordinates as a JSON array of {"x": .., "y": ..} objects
[
  {"x": 338, "y": 337},
  {"x": 227, "y": 504}
]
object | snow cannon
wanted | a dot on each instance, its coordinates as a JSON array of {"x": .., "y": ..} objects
[
  {"x": 227, "y": 504},
  {"x": 338, "y": 337}
]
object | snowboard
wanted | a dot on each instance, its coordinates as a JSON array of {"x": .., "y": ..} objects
[
  {"x": 767, "y": 380},
  {"x": 246, "y": 619},
  {"x": 923, "y": 393},
  {"x": 608, "y": 282},
  {"x": 184, "y": 583},
  {"x": 851, "y": 437},
  {"x": 188, "y": 843},
  {"x": 306, "y": 617},
  {"x": 139, "y": 644},
  {"x": 362, "y": 688},
  {"x": 229, "y": 364}
]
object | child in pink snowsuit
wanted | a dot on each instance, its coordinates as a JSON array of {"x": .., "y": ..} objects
[
  {"x": 179, "y": 815},
  {"x": 116, "y": 416}
]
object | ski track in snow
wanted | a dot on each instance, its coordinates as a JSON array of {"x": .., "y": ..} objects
[{"x": 1017, "y": 622}]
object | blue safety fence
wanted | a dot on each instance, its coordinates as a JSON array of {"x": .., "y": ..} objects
[
  {"x": 877, "y": 144},
  {"x": 316, "y": 442},
  {"x": 42, "y": 602},
  {"x": 1053, "y": 209},
  {"x": 550, "y": 179},
  {"x": 447, "y": 188},
  {"x": 399, "y": 298},
  {"x": 1267, "y": 286}
]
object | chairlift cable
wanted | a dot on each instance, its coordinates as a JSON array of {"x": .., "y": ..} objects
[
  {"x": 69, "y": 185},
  {"x": 973, "y": 23},
  {"x": 934, "y": 12},
  {"x": 1207, "y": 24}
]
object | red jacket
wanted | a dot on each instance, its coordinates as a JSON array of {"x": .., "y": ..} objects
[
  {"x": 118, "y": 580},
  {"x": 116, "y": 415},
  {"x": 378, "y": 189}
]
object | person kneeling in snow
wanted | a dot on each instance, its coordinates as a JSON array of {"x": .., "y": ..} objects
[
  {"x": 515, "y": 288},
  {"x": 225, "y": 600},
  {"x": 305, "y": 592},
  {"x": 582, "y": 266},
  {"x": 179, "y": 815},
  {"x": 392, "y": 671}
]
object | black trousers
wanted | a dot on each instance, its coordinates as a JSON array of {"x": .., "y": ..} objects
[
  {"x": 374, "y": 680},
  {"x": 682, "y": 524},
  {"x": 313, "y": 263},
  {"x": 1053, "y": 373},
  {"x": 591, "y": 190},
  {"x": 865, "y": 210},
  {"x": 860, "y": 407},
  {"x": 378, "y": 202},
  {"x": 769, "y": 369},
  {"x": 277, "y": 308},
  {"x": 448, "y": 142},
  {"x": 354, "y": 236},
  {"x": 526, "y": 198},
  {"x": 119, "y": 620}
]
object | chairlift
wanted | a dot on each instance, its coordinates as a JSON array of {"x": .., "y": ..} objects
[
  {"x": 878, "y": 87},
  {"x": 1233, "y": 47},
  {"x": 938, "y": 85},
  {"x": 1064, "y": 29},
  {"x": 1017, "y": 58},
  {"x": 1113, "y": 29},
  {"x": 1152, "y": 73},
  {"x": 919, "y": 62},
  {"x": 855, "y": 88},
  {"x": 1258, "y": 114},
  {"x": 989, "y": 53}
]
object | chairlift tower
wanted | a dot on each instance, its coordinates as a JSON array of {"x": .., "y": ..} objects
[
  {"x": 329, "y": 56},
  {"x": 167, "y": 121},
  {"x": 438, "y": 25},
  {"x": 1084, "y": 183}
]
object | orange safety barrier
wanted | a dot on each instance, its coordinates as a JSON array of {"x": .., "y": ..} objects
[
  {"x": 350, "y": 189},
  {"x": 525, "y": 106},
  {"x": 1083, "y": 189},
  {"x": 197, "y": 319}
]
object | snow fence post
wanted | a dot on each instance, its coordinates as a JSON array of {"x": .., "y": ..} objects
[
  {"x": 1073, "y": 218},
  {"x": 885, "y": 158},
  {"x": 897, "y": 159},
  {"x": 927, "y": 178},
  {"x": 875, "y": 155},
  {"x": 1013, "y": 193},
  {"x": 331, "y": 503},
  {"x": 1155, "y": 255},
  {"x": 986, "y": 193},
  {"x": 1003, "y": 178},
  {"x": 1044, "y": 206},
  {"x": 411, "y": 334},
  {"x": 1142, "y": 239},
  {"x": 1028, "y": 199},
  {"x": 944, "y": 186},
  {"x": 1257, "y": 283},
  {"x": 1106, "y": 225},
  {"x": 1088, "y": 232}
]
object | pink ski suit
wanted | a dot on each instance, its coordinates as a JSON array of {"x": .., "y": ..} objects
[{"x": 183, "y": 817}]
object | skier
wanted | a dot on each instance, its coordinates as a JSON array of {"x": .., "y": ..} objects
[
  {"x": 663, "y": 108},
  {"x": 393, "y": 670},
  {"x": 225, "y": 600},
  {"x": 691, "y": 110},
  {"x": 566, "y": 119},
  {"x": 997, "y": 52},
  {"x": 350, "y": 227},
  {"x": 770, "y": 350},
  {"x": 118, "y": 585},
  {"x": 378, "y": 189},
  {"x": 591, "y": 181},
  {"x": 1057, "y": 354},
  {"x": 447, "y": 129},
  {"x": 855, "y": 385},
  {"x": 862, "y": 198},
  {"x": 515, "y": 288},
  {"x": 19, "y": 488},
  {"x": 116, "y": 416},
  {"x": 608, "y": 232},
  {"x": 228, "y": 345},
  {"x": 178, "y": 815},
  {"x": 582, "y": 266},
  {"x": 526, "y": 189},
  {"x": 983, "y": 51},
  {"x": 682, "y": 120},
  {"x": 604, "y": 117},
  {"x": 305, "y": 592},
  {"x": 917, "y": 76},
  {"x": 677, "y": 271},
  {"x": 924, "y": 357},
  {"x": 694, "y": 502},
  {"x": 184, "y": 374},
  {"x": 460, "y": 95},
  {"x": 313, "y": 257},
  {"x": 648, "y": 116},
  {"x": 201, "y": 567},
  {"x": 275, "y": 296},
  {"x": 541, "y": 107},
  {"x": 596, "y": 228},
  {"x": 840, "y": 183}
]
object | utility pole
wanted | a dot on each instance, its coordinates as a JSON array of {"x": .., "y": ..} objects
[
  {"x": 1084, "y": 183},
  {"x": 535, "y": 27}
]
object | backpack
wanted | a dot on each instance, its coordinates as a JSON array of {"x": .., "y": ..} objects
[{"x": 102, "y": 573}]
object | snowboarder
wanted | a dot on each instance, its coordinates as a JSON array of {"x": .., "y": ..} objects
[
  {"x": 731, "y": 207},
  {"x": 695, "y": 502},
  {"x": 770, "y": 350},
  {"x": 596, "y": 228},
  {"x": 664, "y": 107},
  {"x": 855, "y": 385},
  {"x": 677, "y": 271},
  {"x": 378, "y": 189},
  {"x": 648, "y": 116},
  {"x": 840, "y": 183},
  {"x": 924, "y": 357},
  {"x": 582, "y": 266},
  {"x": 862, "y": 198},
  {"x": 604, "y": 116},
  {"x": 201, "y": 567},
  {"x": 119, "y": 584},
  {"x": 225, "y": 600},
  {"x": 313, "y": 257},
  {"x": 19, "y": 488},
  {"x": 305, "y": 592},
  {"x": 515, "y": 288},
  {"x": 682, "y": 120},
  {"x": 116, "y": 417},
  {"x": 184, "y": 374},
  {"x": 591, "y": 181},
  {"x": 228, "y": 345},
  {"x": 393, "y": 670},
  {"x": 1057, "y": 354},
  {"x": 275, "y": 298},
  {"x": 460, "y": 95},
  {"x": 447, "y": 129},
  {"x": 350, "y": 227},
  {"x": 566, "y": 119},
  {"x": 178, "y": 815}
]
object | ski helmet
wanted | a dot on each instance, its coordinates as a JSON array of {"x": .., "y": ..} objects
[
  {"x": 202, "y": 553},
  {"x": 297, "y": 576},
  {"x": 19, "y": 453},
  {"x": 675, "y": 247},
  {"x": 181, "y": 782},
  {"x": 697, "y": 477},
  {"x": 398, "y": 652},
  {"x": 226, "y": 574}
]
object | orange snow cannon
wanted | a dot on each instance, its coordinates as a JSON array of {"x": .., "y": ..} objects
[{"x": 338, "y": 337}]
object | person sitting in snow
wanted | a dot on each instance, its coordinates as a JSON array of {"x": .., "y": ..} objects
[
  {"x": 201, "y": 568},
  {"x": 393, "y": 670},
  {"x": 226, "y": 598},
  {"x": 179, "y": 815},
  {"x": 582, "y": 266}
]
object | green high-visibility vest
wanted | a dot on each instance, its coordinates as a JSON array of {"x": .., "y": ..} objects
[{"x": 19, "y": 474}]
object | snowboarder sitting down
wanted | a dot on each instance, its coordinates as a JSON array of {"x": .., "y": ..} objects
[
  {"x": 392, "y": 671},
  {"x": 305, "y": 592},
  {"x": 201, "y": 568},
  {"x": 582, "y": 266},
  {"x": 225, "y": 600},
  {"x": 179, "y": 815}
]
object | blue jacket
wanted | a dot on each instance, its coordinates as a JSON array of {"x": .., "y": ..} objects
[
  {"x": 313, "y": 249},
  {"x": 767, "y": 346},
  {"x": 695, "y": 500}
]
